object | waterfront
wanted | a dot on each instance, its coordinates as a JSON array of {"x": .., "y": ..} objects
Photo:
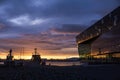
[
  {"x": 59, "y": 63},
  {"x": 106, "y": 72},
  {"x": 63, "y": 63}
]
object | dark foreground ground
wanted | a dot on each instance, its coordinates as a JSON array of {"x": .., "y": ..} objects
[{"x": 109, "y": 72}]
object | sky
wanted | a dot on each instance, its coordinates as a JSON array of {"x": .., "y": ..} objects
[{"x": 48, "y": 25}]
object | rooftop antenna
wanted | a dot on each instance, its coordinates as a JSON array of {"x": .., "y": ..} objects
[
  {"x": 10, "y": 52},
  {"x": 35, "y": 51},
  {"x": 9, "y": 56}
]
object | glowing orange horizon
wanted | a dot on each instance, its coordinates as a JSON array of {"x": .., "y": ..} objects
[
  {"x": 48, "y": 54},
  {"x": 28, "y": 56}
]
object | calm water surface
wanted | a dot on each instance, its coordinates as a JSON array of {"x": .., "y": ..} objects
[{"x": 58, "y": 63}]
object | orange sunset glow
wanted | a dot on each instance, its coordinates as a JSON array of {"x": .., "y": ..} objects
[{"x": 27, "y": 54}]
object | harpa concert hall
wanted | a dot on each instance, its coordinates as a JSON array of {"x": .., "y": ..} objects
[{"x": 102, "y": 39}]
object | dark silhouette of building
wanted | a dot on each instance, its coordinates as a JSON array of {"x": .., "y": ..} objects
[{"x": 86, "y": 38}]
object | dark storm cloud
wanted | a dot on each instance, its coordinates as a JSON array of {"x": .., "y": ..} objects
[
  {"x": 57, "y": 8},
  {"x": 56, "y": 11},
  {"x": 44, "y": 41},
  {"x": 69, "y": 28},
  {"x": 51, "y": 41}
]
